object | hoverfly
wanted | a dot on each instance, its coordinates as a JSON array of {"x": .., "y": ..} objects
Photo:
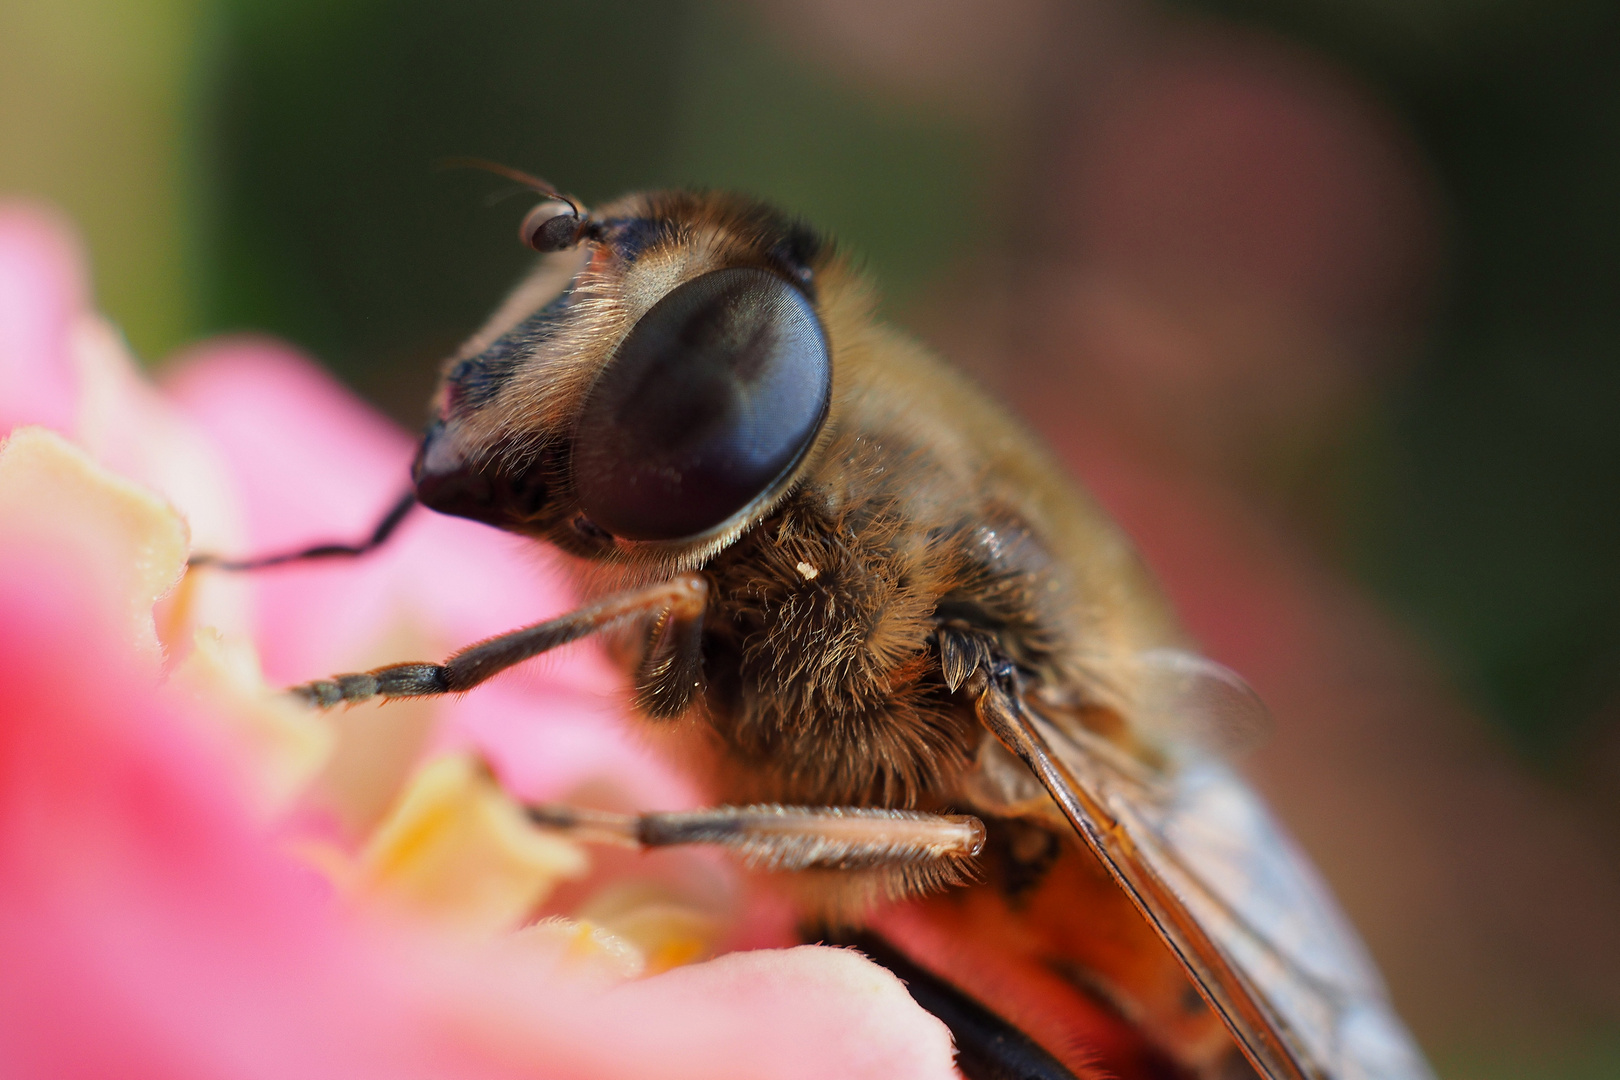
[{"x": 912, "y": 663}]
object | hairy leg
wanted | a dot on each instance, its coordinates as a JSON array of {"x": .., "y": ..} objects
[
  {"x": 785, "y": 837},
  {"x": 683, "y": 597}
]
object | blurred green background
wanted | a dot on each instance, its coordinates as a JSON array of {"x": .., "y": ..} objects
[{"x": 267, "y": 165}]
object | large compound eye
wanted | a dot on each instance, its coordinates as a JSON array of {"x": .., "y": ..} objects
[{"x": 710, "y": 401}]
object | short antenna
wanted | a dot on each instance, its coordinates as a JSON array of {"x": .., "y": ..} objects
[{"x": 517, "y": 176}]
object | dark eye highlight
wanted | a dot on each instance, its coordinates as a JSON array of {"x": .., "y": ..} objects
[{"x": 710, "y": 401}]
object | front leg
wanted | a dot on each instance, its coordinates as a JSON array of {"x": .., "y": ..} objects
[
  {"x": 682, "y": 599},
  {"x": 380, "y": 533}
]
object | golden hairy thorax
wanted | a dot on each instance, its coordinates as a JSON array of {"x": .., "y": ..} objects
[{"x": 826, "y": 610}]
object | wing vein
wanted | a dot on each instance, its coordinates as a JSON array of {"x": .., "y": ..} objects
[{"x": 1263, "y": 1036}]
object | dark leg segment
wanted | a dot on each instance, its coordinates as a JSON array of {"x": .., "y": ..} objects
[
  {"x": 683, "y": 597},
  {"x": 379, "y": 535}
]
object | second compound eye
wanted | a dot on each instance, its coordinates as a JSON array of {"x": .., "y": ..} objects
[
  {"x": 709, "y": 403},
  {"x": 551, "y": 226}
]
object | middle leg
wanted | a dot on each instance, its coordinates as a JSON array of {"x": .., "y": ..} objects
[{"x": 787, "y": 837}]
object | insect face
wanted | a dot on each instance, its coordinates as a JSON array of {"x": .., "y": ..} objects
[{"x": 662, "y": 375}]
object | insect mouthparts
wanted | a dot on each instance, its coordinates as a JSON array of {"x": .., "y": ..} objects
[{"x": 489, "y": 488}]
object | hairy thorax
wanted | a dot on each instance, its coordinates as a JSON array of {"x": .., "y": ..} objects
[{"x": 821, "y": 647}]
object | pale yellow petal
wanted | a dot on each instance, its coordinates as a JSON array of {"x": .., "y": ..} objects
[
  {"x": 583, "y": 948},
  {"x": 667, "y": 928},
  {"x": 378, "y": 743},
  {"x": 457, "y": 848},
  {"x": 128, "y": 541},
  {"x": 282, "y": 744}
]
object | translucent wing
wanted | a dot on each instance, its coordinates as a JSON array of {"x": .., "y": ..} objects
[
  {"x": 1232, "y": 897},
  {"x": 1184, "y": 701},
  {"x": 1234, "y": 871}
]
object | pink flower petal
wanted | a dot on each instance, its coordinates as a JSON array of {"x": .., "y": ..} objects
[
  {"x": 42, "y": 291},
  {"x": 546, "y": 741},
  {"x": 150, "y": 931},
  {"x": 808, "y": 1012},
  {"x": 147, "y": 930}
]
